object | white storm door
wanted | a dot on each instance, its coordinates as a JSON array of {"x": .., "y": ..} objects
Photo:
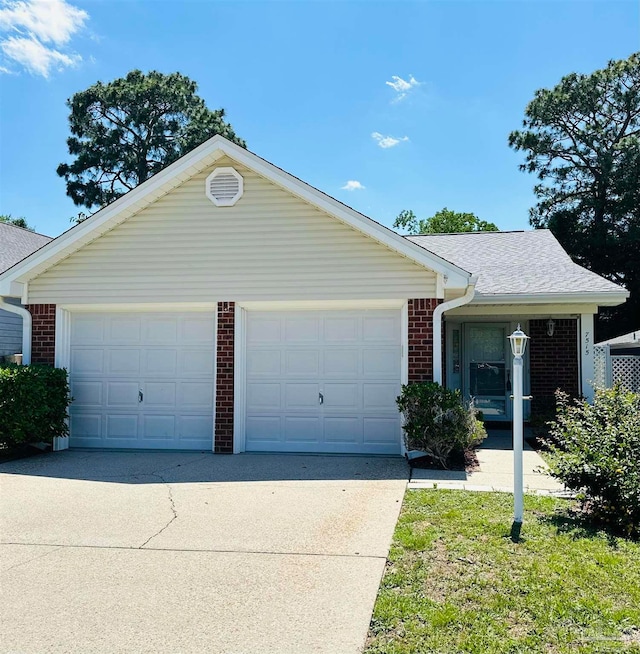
[
  {"x": 142, "y": 380},
  {"x": 323, "y": 381}
]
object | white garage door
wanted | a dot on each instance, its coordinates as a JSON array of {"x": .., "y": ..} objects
[
  {"x": 323, "y": 381},
  {"x": 142, "y": 380}
]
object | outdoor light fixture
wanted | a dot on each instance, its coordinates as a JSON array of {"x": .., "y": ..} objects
[
  {"x": 518, "y": 342},
  {"x": 551, "y": 326},
  {"x": 518, "y": 345}
]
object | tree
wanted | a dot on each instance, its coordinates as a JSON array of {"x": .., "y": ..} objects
[
  {"x": 125, "y": 131},
  {"x": 582, "y": 140},
  {"x": 17, "y": 222},
  {"x": 444, "y": 221}
]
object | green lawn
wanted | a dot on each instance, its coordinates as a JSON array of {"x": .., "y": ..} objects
[{"x": 457, "y": 582}]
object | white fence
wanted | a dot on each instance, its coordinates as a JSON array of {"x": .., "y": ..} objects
[{"x": 610, "y": 369}]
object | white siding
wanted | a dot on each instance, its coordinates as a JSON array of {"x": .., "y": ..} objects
[
  {"x": 10, "y": 333},
  {"x": 269, "y": 246}
]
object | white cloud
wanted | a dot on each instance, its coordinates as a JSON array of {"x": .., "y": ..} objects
[
  {"x": 352, "y": 185},
  {"x": 35, "y": 57},
  {"x": 388, "y": 141},
  {"x": 36, "y": 30},
  {"x": 402, "y": 87}
]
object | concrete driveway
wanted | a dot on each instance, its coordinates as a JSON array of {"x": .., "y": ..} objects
[{"x": 193, "y": 552}]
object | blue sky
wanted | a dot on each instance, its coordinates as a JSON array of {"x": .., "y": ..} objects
[{"x": 315, "y": 88}]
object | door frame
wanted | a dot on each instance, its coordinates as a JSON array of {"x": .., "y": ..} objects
[
  {"x": 461, "y": 324},
  {"x": 62, "y": 353},
  {"x": 240, "y": 348}
]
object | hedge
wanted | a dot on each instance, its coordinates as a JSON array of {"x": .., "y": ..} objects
[{"x": 33, "y": 403}]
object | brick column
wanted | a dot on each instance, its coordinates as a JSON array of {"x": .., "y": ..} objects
[
  {"x": 223, "y": 441},
  {"x": 43, "y": 333},
  {"x": 421, "y": 339},
  {"x": 553, "y": 362}
]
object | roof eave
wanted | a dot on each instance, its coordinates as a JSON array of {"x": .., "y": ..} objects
[{"x": 603, "y": 299}]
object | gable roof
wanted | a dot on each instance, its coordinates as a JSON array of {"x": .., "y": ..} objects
[
  {"x": 520, "y": 265},
  {"x": 632, "y": 339},
  {"x": 17, "y": 243},
  {"x": 194, "y": 162}
]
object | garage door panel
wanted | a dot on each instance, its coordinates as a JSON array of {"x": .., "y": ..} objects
[
  {"x": 264, "y": 429},
  {"x": 380, "y": 329},
  {"x": 160, "y": 394},
  {"x": 264, "y": 363},
  {"x": 196, "y": 428},
  {"x": 87, "y": 330},
  {"x": 158, "y": 427},
  {"x": 301, "y": 429},
  {"x": 263, "y": 330},
  {"x": 341, "y": 396},
  {"x": 86, "y": 425},
  {"x": 380, "y": 396},
  {"x": 341, "y": 362},
  {"x": 339, "y": 330},
  {"x": 301, "y": 396},
  {"x": 121, "y": 426},
  {"x": 197, "y": 330},
  {"x": 170, "y": 357},
  {"x": 301, "y": 330},
  {"x": 160, "y": 330},
  {"x": 123, "y": 361},
  {"x": 157, "y": 361},
  {"x": 87, "y": 361},
  {"x": 343, "y": 430},
  {"x": 195, "y": 395},
  {"x": 123, "y": 329},
  {"x": 122, "y": 393},
  {"x": 263, "y": 395},
  {"x": 87, "y": 393},
  {"x": 381, "y": 363},
  {"x": 302, "y": 363},
  {"x": 196, "y": 362},
  {"x": 380, "y": 430}
]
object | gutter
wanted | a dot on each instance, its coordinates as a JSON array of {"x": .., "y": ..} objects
[
  {"x": 437, "y": 325},
  {"x": 26, "y": 327}
]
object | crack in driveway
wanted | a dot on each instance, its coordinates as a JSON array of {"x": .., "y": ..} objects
[{"x": 172, "y": 506}]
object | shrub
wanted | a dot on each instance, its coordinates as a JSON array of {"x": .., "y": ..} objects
[
  {"x": 33, "y": 403},
  {"x": 437, "y": 422},
  {"x": 594, "y": 449}
]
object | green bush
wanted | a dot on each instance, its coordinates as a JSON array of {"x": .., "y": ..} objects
[
  {"x": 33, "y": 403},
  {"x": 594, "y": 449},
  {"x": 437, "y": 422}
]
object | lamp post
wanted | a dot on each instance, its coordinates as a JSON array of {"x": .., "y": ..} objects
[{"x": 518, "y": 345}]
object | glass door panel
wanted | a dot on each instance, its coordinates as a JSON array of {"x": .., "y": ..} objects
[{"x": 487, "y": 378}]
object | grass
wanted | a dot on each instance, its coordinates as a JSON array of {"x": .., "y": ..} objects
[{"x": 458, "y": 580}]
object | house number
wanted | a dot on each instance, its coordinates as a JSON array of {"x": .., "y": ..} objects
[{"x": 587, "y": 343}]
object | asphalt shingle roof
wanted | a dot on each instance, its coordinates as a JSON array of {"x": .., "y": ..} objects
[
  {"x": 17, "y": 243},
  {"x": 515, "y": 262}
]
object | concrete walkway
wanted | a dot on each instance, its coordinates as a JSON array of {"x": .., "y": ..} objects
[
  {"x": 495, "y": 472},
  {"x": 159, "y": 552}
]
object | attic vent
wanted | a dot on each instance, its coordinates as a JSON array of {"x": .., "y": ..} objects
[{"x": 224, "y": 187}]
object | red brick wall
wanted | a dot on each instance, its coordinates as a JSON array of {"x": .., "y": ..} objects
[
  {"x": 43, "y": 334},
  {"x": 224, "y": 378},
  {"x": 553, "y": 362},
  {"x": 421, "y": 339}
]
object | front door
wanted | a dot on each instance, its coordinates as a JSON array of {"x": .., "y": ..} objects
[{"x": 487, "y": 373}]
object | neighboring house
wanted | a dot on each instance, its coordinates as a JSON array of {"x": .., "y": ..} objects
[
  {"x": 15, "y": 244},
  {"x": 225, "y": 304},
  {"x": 617, "y": 361}
]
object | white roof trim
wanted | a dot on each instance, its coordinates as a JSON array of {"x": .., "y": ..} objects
[
  {"x": 187, "y": 166},
  {"x": 612, "y": 298}
]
